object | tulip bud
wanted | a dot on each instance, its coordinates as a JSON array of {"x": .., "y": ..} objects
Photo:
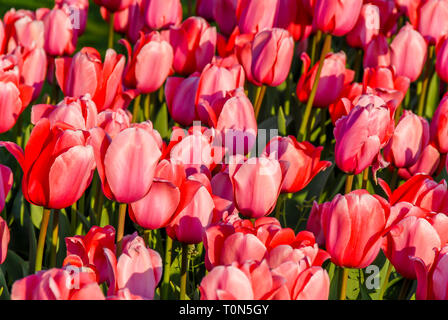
[
  {"x": 433, "y": 20},
  {"x": 160, "y": 14},
  {"x": 254, "y": 16},
  {"x": 224, "y": 13},
  {"x": 336, "y": 17},
  {"x": 180, "y": 96},
  {"x": 60, "y": 36}
]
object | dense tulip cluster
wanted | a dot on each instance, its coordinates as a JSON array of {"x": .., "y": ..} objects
[{"x": 267, "y": 150}]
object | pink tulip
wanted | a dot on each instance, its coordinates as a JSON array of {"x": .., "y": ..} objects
[
  {"x": 336, "y": 17},
  {"x": 6, "y": 182},
  {"x": 427, "y": 163},
  {"x": 388, "y": 16},
  {"x": 78, "y": 8},
  {"x": 22, "y": 29},
  {"x": 57, "y": 284},
  {"x": 331, "y": 82},
  {"x": 257, "y": 184},
  {"x": 193, "y": 214},
  {"x": 2, "y": 38},
  {"x": 58, "y": 165},
  {"x": 224, "y": 13},
  {"x": 353, "y": 227},
  {"x": 377, "y": 53},
  {"x": 439, "y": 126},
  {"x": 367, "y": 27},
  {"x": 291, "y": 16},
  {"x": 270, "y": 58},
  {"x": 150, "y": 50},
  {"x": 4, "y": 236},
  {"x": 86, "y": 74},
  {"x": 254, "y": 16},
  {"x": 194, "y": 43},
  {"x": 433, "y": 23},
  {"x": 161, "y": 14},
  {"x": 126, "y": 164},
  {"x": 362, "y": 134},
  {"x": 114, "y": 5},
  {"x": 80, "y": 113},
  {"x": 442, "y": 59},
  {"x": 180, "y": 97},
  {"x": 408, "y": 52},
  {"x": 113, "y": 122},
  {"x": 411, "y": 135},
  {"x": 303, "y": 158},
  {"x": 60, "y": 36}
]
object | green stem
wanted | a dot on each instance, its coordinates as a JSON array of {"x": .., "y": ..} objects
[
  {"x": 166, "y": 269},
  {"x": 427, "y": 77},
  {"x": 110, "y": 43},
  {"x": 41, "y": 241},
  {"x": 394, "y": 180},
  {"x": 136, "y": 111},
  {"x": 279, "y": 209},
  {"x": 386, "y": 280},
  {"x": 54, "y": 239},
  {"x": 349, "y": 183},
  {"x": 73, "y": 218},
  {"x": 147, "y": 107},
  {"x": 309, "y": 105},
  {"x": 184, "y": 271},
  {"x": 316, "y": 40},
  {"x": 261, "y": 91},
  {"x": 120, "y": 230},
  {"x": 404, "y": 289},
  {"x": 365, "y": 178},
  {"x": 343, "y": 288}
]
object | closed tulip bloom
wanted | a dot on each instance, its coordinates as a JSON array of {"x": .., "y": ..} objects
[
  {"x": 127, "y": 163},
  {"x": 204, "y": 9},
  {"x": 442, "y": 59},
  {"x": 367, "y": 27},
  {"x": 439, "y": 126},
  {"x": 377, "y": 53},
  {"x": 194, "y": 44},
  {"x": 353, "y": 227},
  {"x": 257, "y": 184},
  {"x": 23, "y": 30},
  {"x": 33, "y": 69},
  {"x": 411, "y": 136},
  {"x": 193, "y": 214},
  {"x": 336, "y": 17},
  {"x": 271, "y": 57},
  {"x": 4, "y": 237},
  {"x": 6, "y": 181},
  {"x": 432, "y": 282},
  {"x": 331, "y": 81},
  {"x": 427, "y": 163},
  {"x": 291, "y": 16},
  {"x": 224, "y": 13},
  {"x": 58, "y": 165},
  {"x": 114, "y": 5},
  {"x": 361, "y": 135},
  {"x": 60, "y": 36},
  {"x": 433, "y": 23},
  {"x": 53, "y": 285},
  {"x": 80, "y": 114},
  {"x": 303, "y": 158},
  {"x": 149, "y": 51},
  {"x": 254, "y": 16},
  {"x": 180, "y": 94},
  {"x": 408, "y": 52},
  {"x": 159, "y": 14},
  {"x": 113, "y": 122}
]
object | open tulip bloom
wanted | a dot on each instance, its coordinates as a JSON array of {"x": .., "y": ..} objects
[{"x": 224, "y": 150}]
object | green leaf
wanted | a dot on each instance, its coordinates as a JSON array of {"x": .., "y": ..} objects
[
  {"x": 281, "y": 122},
  {"x": 432, "y": 100},
  {"x": 161, "y": 122},
  {"x": 15, "y": 267},
  {"x": 36, "y": 215},
  {"x": 4, "y": 293}
]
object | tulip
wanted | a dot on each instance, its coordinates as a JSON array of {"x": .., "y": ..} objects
[
  {"x": 254, "y": 16},
  {"x": 427, "y": 163},
  {"x": 57, "y": 284},
  {"x": 303, "y": 158},
  {"x": 113, "y": 122},
  {"x": 161, "y": 14},
  {"x": 33, "y": 69},
  {"x": 433, "y": 23},
  {"x": 270, "y": 57},
  {"x": 224, "y": 13},
  {"x": 408, "y": 52},
  {"x": 291, "y": 16},
  {"x": 377, "y": 53},
  {"x": 114, "y": 5},
  {"x": 353, "y": 227},
  {"x": 257, "y": 184},
  {"x": 194, "y": 43},
  {"x": 58, "y": 165},
  {"x": 408, "y": 141},
  {"x": 6, "y": 182},
  {"x": 126, "y": 164},
  {"x": 439, "y": 126},
  {"x": 180, "y": 97},
  {"x": 79, "y": 8},
  {"x": 441, "y": 59},
  {"x": 367, "y": 27},
  {"x": 80, "y": 114},
  {"x": 432, "y": 282},
  {"x": 193, "y": 214},
  {"x": 204, "y": 9},
  {"x": 60, "y": 36},
  {"x": 336, "y": 17},
  {"x": 23, "y": 30},
  {"x": 388, "y": 16},
  {"x": 4, "y": 239},
  {"x": 361, "y": 135},
  {"x": 410, "y": 8},
  {"x": 2, "y": 38},
  {"x": 150, "y": 50},
  {"x": 85, "y": 74}
]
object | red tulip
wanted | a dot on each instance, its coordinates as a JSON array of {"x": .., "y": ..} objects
[
  {"x": 270, "y": 58},
  {"x": 410, "y": 137},
  {"x": 6, "y": 182},
  {"x": 58, "y": 165},
  {"x": 439, "y": 126},
  {"x": 126, "y": 164},
  {"x": 80, "y": 114},
  {"x": 367, "y": 27},
  {"x": 57, "y": 284},
  {"x": 336, "y": 17},
  {"x": 303, "y": 158},
  {"x": 161, "y": 14},
  {"x": 60, "y": 35},
  {"x": 254, "y": 16},
  {"x": 114, "y": 5},
  {"x": 194, "y": 43},
  {"x": 150, "y": 50},
  {"x": 193, "y": 214},
  {"x": 353, "y": 227},
  {"x": 4, "y": 236},
  {"x": 89, "y": 250},
  {"x": 377, "y": 53},
  {"x": 331, "y": 82},
  {"x": 433, "y": 23},
  {"x": 291, "y": 16},
  {"x": 408, "y": 52}
]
